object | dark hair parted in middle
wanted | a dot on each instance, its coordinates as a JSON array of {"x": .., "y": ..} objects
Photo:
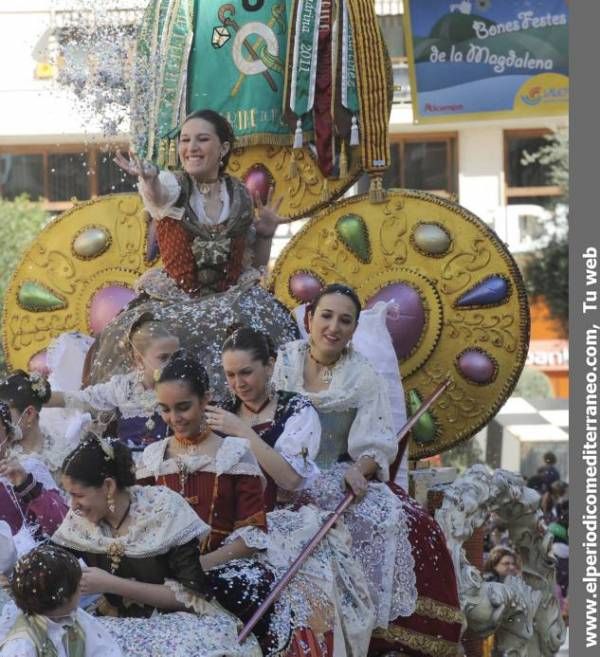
[
  {"x": 258, "y": 344},
  {"x": 222, "y": 128},
  {"x": 44, "y": 579},
  {"x": 335, "y": 288},
  {"x": 96, "y": 459},
  {"x": 181, "y": 367}
]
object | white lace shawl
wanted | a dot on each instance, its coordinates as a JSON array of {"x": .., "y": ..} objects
[
  {"x": 123, "y": 391},
  {"x": 170, "y": 190},
  {"x": 301, "y": 436},
  {"x": 233, "y": 457},
  {"x": 355, "y": 384},
  {"x": 161, "y": 520}
]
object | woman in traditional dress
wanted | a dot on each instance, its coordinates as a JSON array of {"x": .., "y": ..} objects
[
  {"x": 283, "y": 428},
  {"x": 130, "y": 397},
  {"x": 25, "y": 394},
  {"x": 223, "y": 482},
  {"x": 401, "y": 548},
  {"x": 283, "y": 431},
  {"x": 212, "y": 249},
  {"x": 30, "y": 501},
  {"x": 141, "y": 547}
]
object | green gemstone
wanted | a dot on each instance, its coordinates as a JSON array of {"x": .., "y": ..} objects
[
  {"x": 354, "y": 234},
  {"x": 36, "y": 297},
  {"x": 425, "y": 429}
]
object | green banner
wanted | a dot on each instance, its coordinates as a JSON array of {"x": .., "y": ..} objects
[{"x": 237, "y": 66}]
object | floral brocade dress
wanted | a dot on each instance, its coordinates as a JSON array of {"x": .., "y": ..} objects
[
  {"x": 401, "y": 548},
  {"x": 161, "y": 546},
  {"x": 208, "y": 282}
]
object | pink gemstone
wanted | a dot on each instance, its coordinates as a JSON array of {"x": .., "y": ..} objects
[
  {"x": 258, "y": 180},
  {"x": 304, "y": 287},
  {"x": 106, "y": 305},
  {"x": 39, "y": 363},
  {"x": 476, "y": 366},
  {"x": 406, "y": 322}
]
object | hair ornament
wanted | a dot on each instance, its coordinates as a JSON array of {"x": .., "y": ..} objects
[{"x": 39, "y": 385}]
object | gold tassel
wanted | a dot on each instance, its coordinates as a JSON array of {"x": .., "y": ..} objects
[
  {"x": 162, "y": 154},
  {"x": 325, "y": 190},
  {"x": 172, "y": 163},
  {"x": 294, "y": 170},
  {"x": 376, "y": 192},
  {"x": 343, "y": 161}
]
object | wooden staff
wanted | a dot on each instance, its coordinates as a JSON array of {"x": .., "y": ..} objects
[{"x": 335, "y": 516}]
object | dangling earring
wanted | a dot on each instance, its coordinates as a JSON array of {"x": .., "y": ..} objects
[
  {"x": 270, "y": 388},
  {"x": 349, "y": 349},
  {"x": 110, "y": 501}
]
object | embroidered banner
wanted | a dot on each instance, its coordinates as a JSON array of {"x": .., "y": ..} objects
[
  {"x": 237, "y": 66},
  {"x": 471, "y": 60}
]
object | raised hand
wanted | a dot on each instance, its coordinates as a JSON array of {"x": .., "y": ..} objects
[
  {"x": 267, "y": 218},
  {"x": 134, "y": 166}
]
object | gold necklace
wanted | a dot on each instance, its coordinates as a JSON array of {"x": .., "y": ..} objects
[
  {"x": 204, "y": 185},
  {"x": 326, "y": 373}
]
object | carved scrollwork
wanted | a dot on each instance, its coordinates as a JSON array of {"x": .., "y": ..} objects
[
  {"x": 522, "y": 611},
  {"x": 458, "y": 272},
  {"x": 498, "y": 330}
]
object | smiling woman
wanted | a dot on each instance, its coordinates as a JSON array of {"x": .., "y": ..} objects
[{"x": 213, "y": 239}]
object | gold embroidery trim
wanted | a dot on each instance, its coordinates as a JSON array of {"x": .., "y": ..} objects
[
  {"x": 259, "y": 519},
  {"x": 422, "y": 642},
  {"x": 438, "y": 610}
]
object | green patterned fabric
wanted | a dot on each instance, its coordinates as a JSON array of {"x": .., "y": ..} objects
[{"x": 35, "y": 629}]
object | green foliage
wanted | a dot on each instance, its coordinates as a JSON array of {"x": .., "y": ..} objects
[
  {"x": 464, "y": 455},
  {"x": 547, "y": 272},
  {"x": 547, "y": 275},
  {"x": 20, "y": 221},
  {"x": 533, "y": 384}
]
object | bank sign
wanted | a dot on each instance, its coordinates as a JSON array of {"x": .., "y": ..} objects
[{"x": 486, "y": 59}]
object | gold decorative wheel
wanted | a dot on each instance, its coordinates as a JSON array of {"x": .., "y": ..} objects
[
  {"x": 460, "y": 306},
  {"x": 76, "y": 276},
  {"x": 303, "y": 194}
]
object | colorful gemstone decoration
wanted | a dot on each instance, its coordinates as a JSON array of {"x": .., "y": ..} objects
[
  {"x": 37, "y": 297},
  {"x": 91, "y": 242},
  {"x": 425, "y": 429},
  {"x": 106, "y": 304},
  {"x": 39, "y": 363},
  {"x": 353, "y": 232},
  {"x": 432, "y": 239},
  {"x": 304, "y": 287},
  {"x": 258, "y": 180},
  {"x": 490, "y": 291},
  {"x": 477, "y": 366},
  {"x": 405, "y": 321}
]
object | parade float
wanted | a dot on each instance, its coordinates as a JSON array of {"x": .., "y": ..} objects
[{"x": 306, "y": 86}]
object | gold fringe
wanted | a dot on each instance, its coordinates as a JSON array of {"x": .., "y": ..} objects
[
  {"x": 294, "y": 170},
  {"x": 161, "y": 160},
  {"x": 439, "y": 610},
  {"x": 428, "y": 645},
  {"x": 373, "y": 89},
  {"x": 266, "y": 139},
  {"x": 325, "y": 190},
  {"x": 376, "y": 192},
  {"x": 343, "y": 161},
  {"x": 172, "y": 162}
]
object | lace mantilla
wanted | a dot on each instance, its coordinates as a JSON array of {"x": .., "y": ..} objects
[
  {"x": 380, "y": 541},
  {"x": 233, "y": 457},
  {"x": 161, "y": 520}
]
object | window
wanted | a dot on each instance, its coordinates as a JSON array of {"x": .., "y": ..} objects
[
  {"x": 527, "y": 183},
  {"x": 424, "y": 162},
  {"x": 59, "y": 175}
]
